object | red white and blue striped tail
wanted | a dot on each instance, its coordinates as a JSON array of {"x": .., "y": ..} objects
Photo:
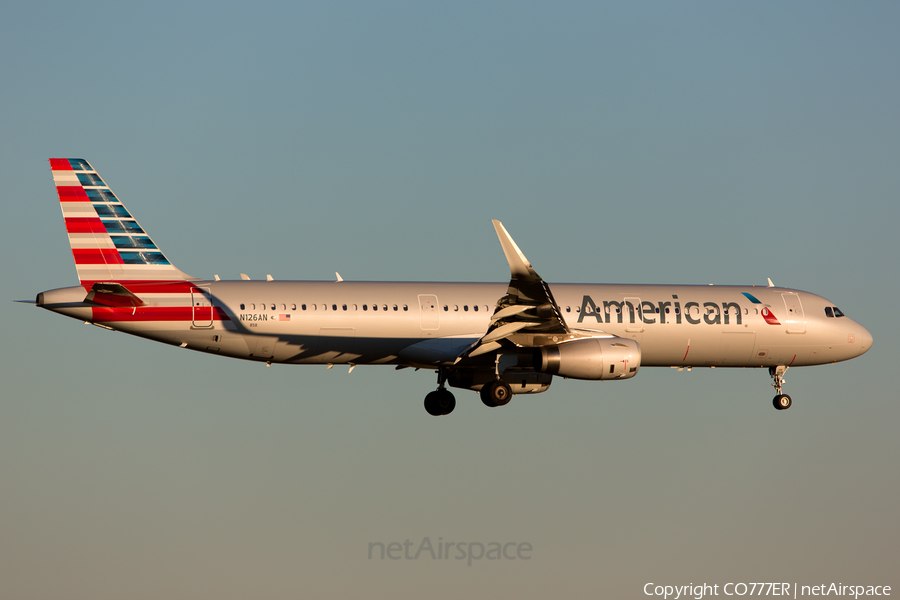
[{"x": 107, "y": 242}]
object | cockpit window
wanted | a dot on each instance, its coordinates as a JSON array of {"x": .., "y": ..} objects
[
  {"x": 828, "y": 312},
  {"x": 837, "y": 312}
]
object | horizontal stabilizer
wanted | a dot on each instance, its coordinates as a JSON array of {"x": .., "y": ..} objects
[{"x": 112, "y": 294}]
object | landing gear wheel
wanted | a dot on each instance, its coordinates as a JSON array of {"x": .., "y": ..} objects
[
  {"x": 440, "y": 402},
  {"x": 782, "y": 402},
  {"x": 496, "y": 393}
]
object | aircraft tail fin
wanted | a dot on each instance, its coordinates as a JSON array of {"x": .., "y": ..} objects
[{"x": 107, "y": 243}]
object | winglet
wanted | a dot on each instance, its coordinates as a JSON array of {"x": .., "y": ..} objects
[
  {"x": 770, "y": 282},
  {"x": 518, "y": 264}
]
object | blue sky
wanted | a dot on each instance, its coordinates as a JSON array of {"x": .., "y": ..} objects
[{"x": 652, "y": 143}]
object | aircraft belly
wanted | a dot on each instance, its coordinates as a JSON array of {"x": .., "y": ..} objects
[
  {"x": 738, "y": 347},
  {"x": 662, "y": 350},
  {"x": 682, "y": 345}
]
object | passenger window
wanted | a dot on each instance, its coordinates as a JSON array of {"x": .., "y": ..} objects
[
  {"x": 374, "y": 307},
  {"x": 334, "y": 307},
  {"x": 293, "y": 307},
  {"x": 837, "y": 312},
  {"x": 568, "y": 309},
  {"x": 345, "y": 307},
  {"x": 273, "y": 307},
  {"x": 303, "y": 306},
  {"x": 384, "y": 308},
  {"x": 242, "y": 307},
  {"x": 446, "y": 308},
  {"x": 456, "y": 308},
  {"x": 466, "y": 308},
  {"x": 475, "y": 308},
  {"x": 395, "y": 308},
  {"x": 365, "y": 307},
  {"x": 828, "y": 312},
  {"x": 253, "y": 307},
  {"x": 405, "y": 308}
]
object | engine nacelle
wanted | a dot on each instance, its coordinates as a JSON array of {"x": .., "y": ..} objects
[{"x": 592, "y": 358}]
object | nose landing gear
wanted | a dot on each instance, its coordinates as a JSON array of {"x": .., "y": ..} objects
[{"x": 780, "y": 401}]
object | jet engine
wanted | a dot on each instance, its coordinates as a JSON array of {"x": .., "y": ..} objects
[{"x": 592, "y": 358}]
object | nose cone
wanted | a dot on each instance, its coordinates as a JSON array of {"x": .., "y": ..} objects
[{"x": 864, "y": 339}]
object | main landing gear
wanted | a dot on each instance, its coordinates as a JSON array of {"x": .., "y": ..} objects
[
  {"x": 440, "y": 401},
  {"x": 780, "y": 401},
  {"x": 496, "y": 393}
]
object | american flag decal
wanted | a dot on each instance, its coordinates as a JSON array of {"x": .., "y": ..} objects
[{"x": 284, "y": 317}]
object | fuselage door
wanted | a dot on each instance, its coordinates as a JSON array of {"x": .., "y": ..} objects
[
  {"x": 202, "y": 307},
  {"x": 632, "y": 315},
  {"x": 428, "y": 309},
  {"x": 796, "y": 322}
]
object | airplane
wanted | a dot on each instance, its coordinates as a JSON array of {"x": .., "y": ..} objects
[{"x": 499, "y": 339}]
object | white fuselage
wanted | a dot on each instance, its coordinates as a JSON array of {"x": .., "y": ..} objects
[{"x": 377, "y": 323}]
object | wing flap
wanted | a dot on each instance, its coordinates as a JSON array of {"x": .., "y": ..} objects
[{"x": 506, "y": 330}]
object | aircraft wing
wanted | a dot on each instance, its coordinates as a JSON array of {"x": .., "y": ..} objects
[{"x": 527, "y": 315}]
